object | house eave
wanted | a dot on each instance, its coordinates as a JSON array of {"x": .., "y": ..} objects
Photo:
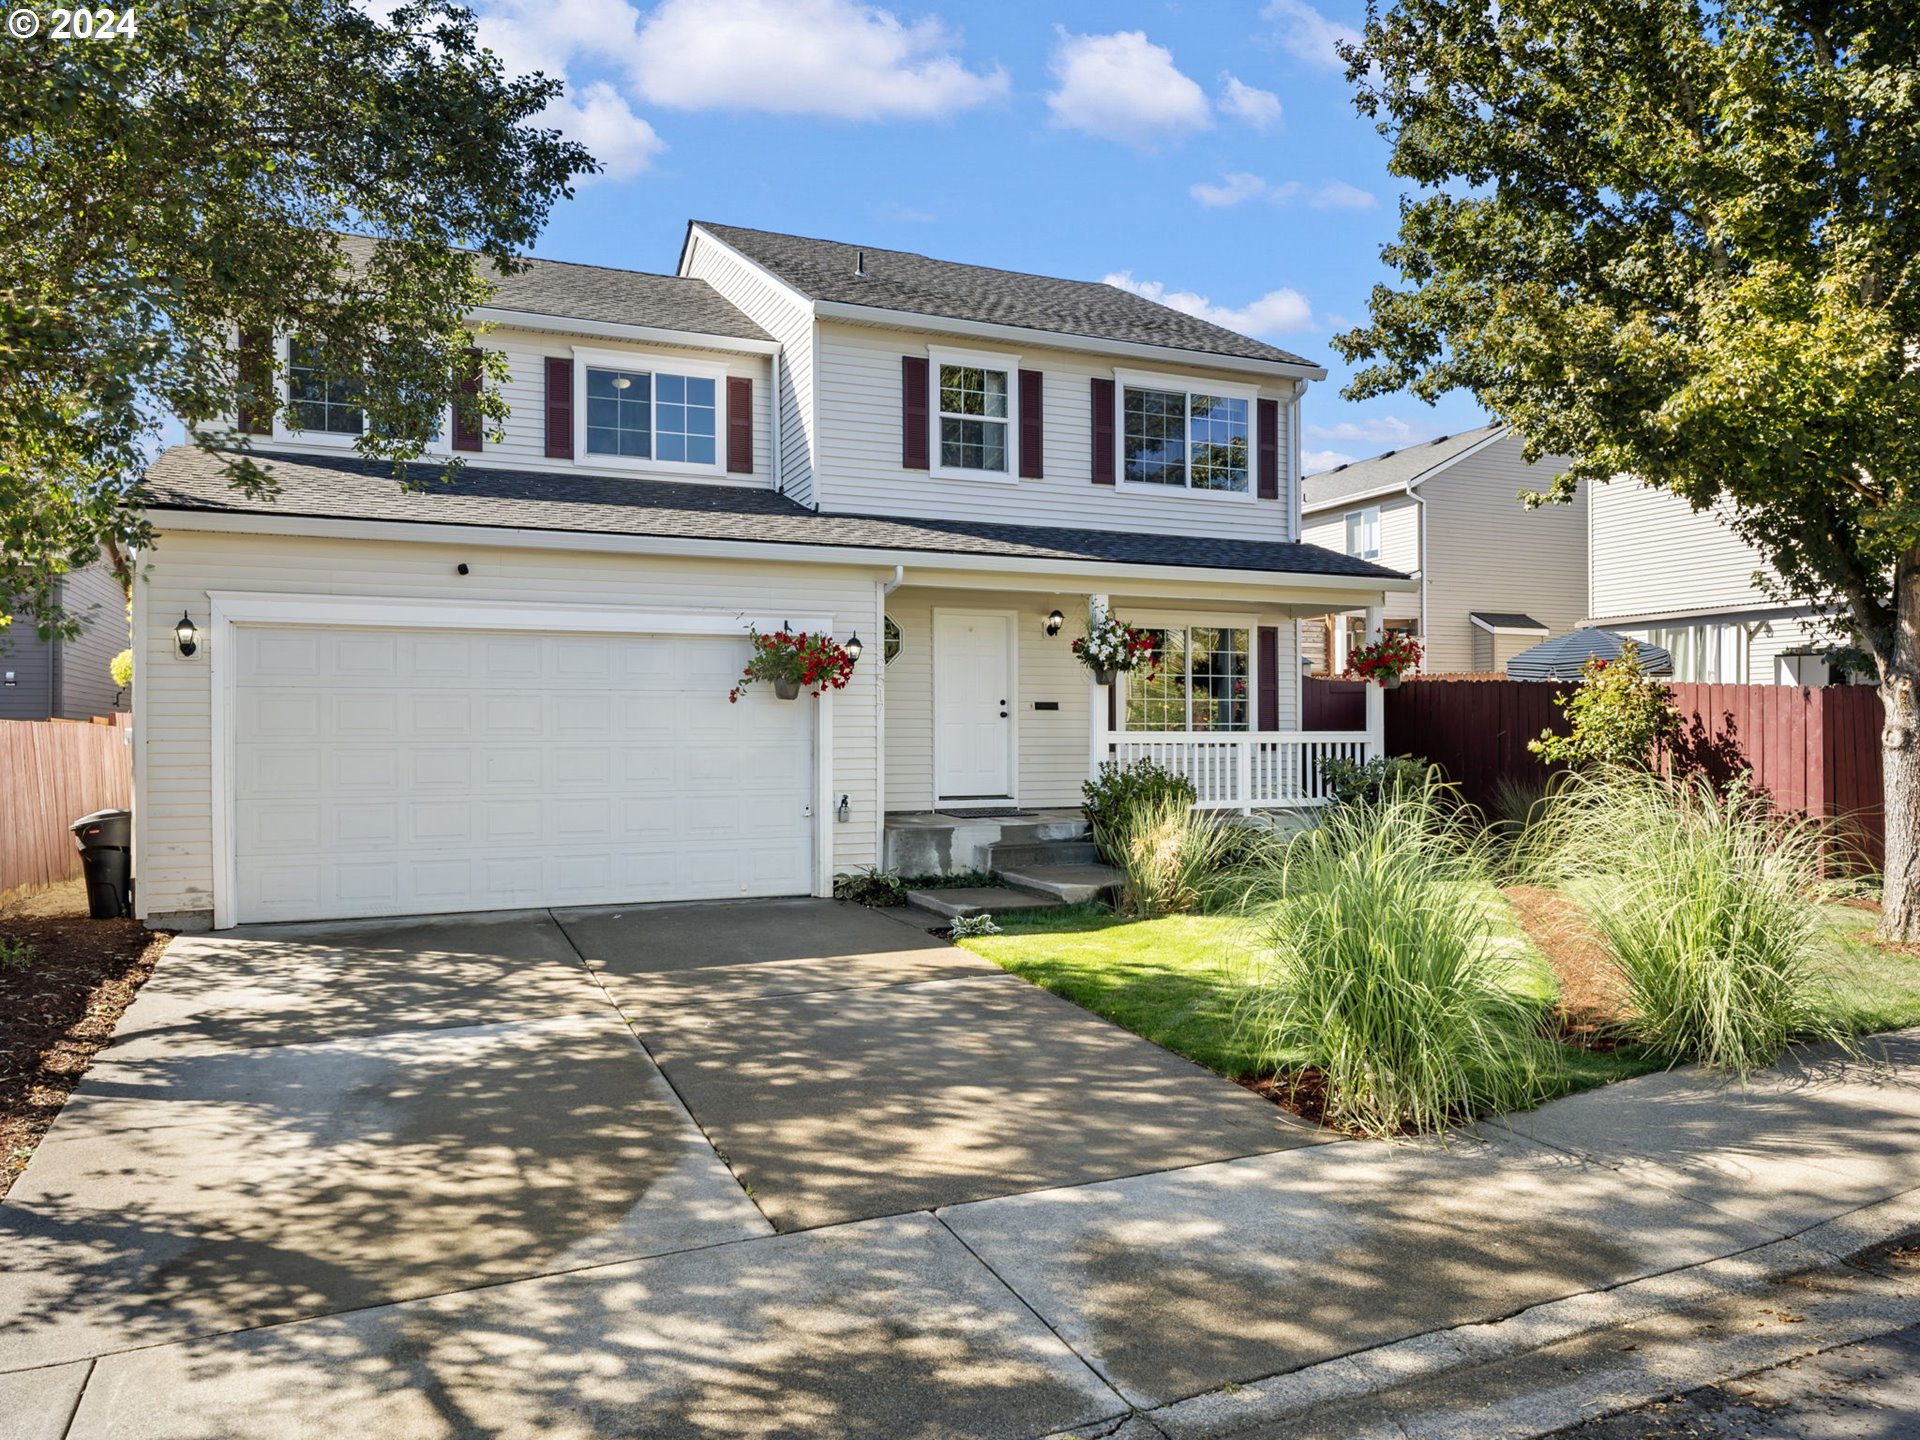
[{"x": 615, "y": 330}]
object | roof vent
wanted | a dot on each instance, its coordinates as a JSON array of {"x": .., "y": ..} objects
[{"x": 859, "y": 264}]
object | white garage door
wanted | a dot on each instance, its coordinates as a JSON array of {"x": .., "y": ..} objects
[{"x": 395, "y": 772}]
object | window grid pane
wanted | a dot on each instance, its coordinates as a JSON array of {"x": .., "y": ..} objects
[
  {"x": 1219, "y": 678},
  {"x": 1153, "y": 428},
  {"x": 1160, "y": 703},
  {"x": 620, "y": 417},
  {"x": 684, "y": 418},
  {"x": 973, "y": 418},
  {"x": 320, "y": 403},
  {"x": 1218, "y": 429}
]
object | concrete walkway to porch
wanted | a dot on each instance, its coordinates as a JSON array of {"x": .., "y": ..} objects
[{"x": 325, "y": 1185}]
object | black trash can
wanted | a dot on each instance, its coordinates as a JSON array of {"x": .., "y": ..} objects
[{"x": 105, "y": 839}]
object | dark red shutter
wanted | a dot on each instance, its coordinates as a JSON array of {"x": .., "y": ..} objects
[
  {"x": 1268, "y": 423},
  {"x": 914, "y": 452},
  {"x": 255, "y": 411},
  {"x": 1267, "y": 661},
  {"x": 466, "y": 415},
  {"x": 1032, "y": 431},
  {"x": 1103, "y": 432},
  {"x": 559, "y": 408},
  {"x": 739, "y": 425}
]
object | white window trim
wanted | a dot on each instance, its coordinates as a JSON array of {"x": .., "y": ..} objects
[
  {"x": 938, "y": 355},
  {"x": 1161, "y": 621},
  {"x": 651, "y": 362},
  {"x": 1191, "y": 386},
  {"x": 1346, "y": 520},
  {"x": 282, "y": 431}
]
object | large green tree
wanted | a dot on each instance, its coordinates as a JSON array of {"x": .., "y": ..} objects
[
  {"x": 1676, "y": 239},
  {"x": 233, "y": 166}
]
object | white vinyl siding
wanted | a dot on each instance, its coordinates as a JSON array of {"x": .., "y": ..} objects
[
  {"x": 176, "y": 826},
  {"x": 860, "y": 448},
  {"x": 1653, "y": 553},
  {"x": 789, "y": 319},
  {"x": 1399, "y": 533}
]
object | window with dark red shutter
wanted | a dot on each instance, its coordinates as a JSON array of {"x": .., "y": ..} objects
[
  {"x": 1267, "y": 421},
  {"x": 559, "y": 408},
  {"x": 740, "y": 425},
  {"x": 915, "y": 451},
  {"x": 466, "y": 415},
  {"x": 255, "y": 414},
  {"x": 1103, "y": 467}
]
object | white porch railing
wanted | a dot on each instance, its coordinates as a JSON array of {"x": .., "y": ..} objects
[{"x": 1254, "y": 770}]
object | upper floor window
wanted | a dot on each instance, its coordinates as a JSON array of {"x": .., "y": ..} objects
[
  {"x": 974, "y": 401},
  {"x": 319, "y": 402},
  {"x": 1186, "y": 438},
  {"x": 641, "y": 415},
  {"x": 1201, "y": 682},
  {"x": 1363, "y": 533}
]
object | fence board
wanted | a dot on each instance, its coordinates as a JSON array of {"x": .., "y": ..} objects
[
  {"x": 51, "y": 773},
  {"x": 1813, "y": 750}
]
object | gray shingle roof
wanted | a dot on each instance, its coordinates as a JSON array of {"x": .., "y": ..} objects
[
  {"x": 1382, "y": 472},
  {"x": 1507, "y": 620},
  {"x": 186, "y": 478},
  {"x": 919, "y": 285}
]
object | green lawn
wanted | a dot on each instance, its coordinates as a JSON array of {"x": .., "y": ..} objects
[{"x": 1174, "y": 980}]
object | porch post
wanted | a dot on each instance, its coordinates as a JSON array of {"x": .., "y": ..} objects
[
  {"x": 1376, "y": 696},
  {"x": 1096, "y": 700}
]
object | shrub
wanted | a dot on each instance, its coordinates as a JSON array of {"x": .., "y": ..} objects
[
  {"x": 1349, "y": 781},
  {"x": 969, "y": 925},
  {"x": 121, "y": 668},
  {"x": 1708, "y": 903},
  {"x": 1171, "y": 854},
  {"x": 1118, "y": 788},
  {"x": 1619, "y": 717},
  {"x": 871, "y": 886},
  {"x": 14, "y": 953},
  {"x": 1382, "y": 968}
]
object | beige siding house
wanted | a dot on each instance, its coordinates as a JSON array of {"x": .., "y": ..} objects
[
  {"x": 513, "y": 689},
  {"x": 1494, "y": 576},
  {"x": 1682, "y": 579}
]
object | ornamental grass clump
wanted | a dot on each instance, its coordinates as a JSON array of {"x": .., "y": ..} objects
[
  {"x": 1707, "y": 900},
  {"x": 1384, "y": 969},
  {"x": 1171, "y": 854}
]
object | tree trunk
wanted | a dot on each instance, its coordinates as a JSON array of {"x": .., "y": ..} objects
[{"x": 1900, "y": 765}]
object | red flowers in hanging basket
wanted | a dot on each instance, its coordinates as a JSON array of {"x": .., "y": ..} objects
[
  {"x": 795, "y": 661},
  {"x": 1386, "y": 659}
]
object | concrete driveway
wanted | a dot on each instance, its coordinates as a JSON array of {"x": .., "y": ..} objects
[{"x": 297, "y": 1122}]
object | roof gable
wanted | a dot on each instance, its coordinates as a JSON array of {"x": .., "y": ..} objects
[{"x": 1392, "y": 470}]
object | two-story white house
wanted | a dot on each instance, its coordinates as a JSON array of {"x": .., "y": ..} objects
[
  {"x": 1495, "y": 577},
  {"x": 512, "y": 690}
]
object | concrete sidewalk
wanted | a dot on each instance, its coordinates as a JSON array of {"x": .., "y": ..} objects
[{"x": 1213, "y": 1300}]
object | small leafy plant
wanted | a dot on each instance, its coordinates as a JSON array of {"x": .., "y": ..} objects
[
  {"x": 1353, "y": 782},
  {"x": 1385, "y": 659},
  {"x": 870, "y": 886},
  {"x": 970, "y": 925},
  {"x": 1119, "y": 787},
  {"x": 814, "y": 663},
  {"x": 1619, "y": 717},
  {"x": 1112, "y": 644},
  {"x": 14, "y": 953}
]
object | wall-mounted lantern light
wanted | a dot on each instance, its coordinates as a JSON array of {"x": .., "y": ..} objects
[
  {"x": 854, "y": 647},
  {"x": 185, "y": 636},
  {"x": 1054, "y": 622}
]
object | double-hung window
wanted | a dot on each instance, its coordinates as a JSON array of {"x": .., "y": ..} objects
[
  {"x": 1183, "y": 437},
  {"x": 1363, "y": 533},
  {"x": 321, "y": 403},
  {"x": 974, "y": 401},
  {"x": 1202, "y": 681},
  {"x": 665, "y": 415}
]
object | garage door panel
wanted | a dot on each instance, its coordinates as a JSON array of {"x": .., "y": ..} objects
[{"x": 395, "y": 772}]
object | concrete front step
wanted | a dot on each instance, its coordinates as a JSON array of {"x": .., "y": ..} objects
[
  {"x": 1023, "y": 856},
  {"x": 1072, "y": 884},
  {"x": 980, "y": 900}
]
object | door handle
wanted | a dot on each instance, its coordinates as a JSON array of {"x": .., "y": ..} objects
[{"x": 1003, "y": 714}]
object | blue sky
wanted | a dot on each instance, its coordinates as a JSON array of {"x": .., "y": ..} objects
[{"x": 1207, "y": 154}]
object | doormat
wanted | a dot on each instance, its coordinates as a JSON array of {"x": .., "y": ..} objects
[{"x": 988, "y": 812}]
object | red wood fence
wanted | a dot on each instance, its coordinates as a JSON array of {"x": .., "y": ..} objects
[
  {"x": 1327, "y": 704},
  {"x": 1812, "y": 750},
  {"x": 51, "y": 773}
]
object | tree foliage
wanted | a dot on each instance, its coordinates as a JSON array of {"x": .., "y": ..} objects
[
  {"x": 1671, "y": 239},
  {"x": 304, "y": 166},
  {"x": 1618, "y": 718}
]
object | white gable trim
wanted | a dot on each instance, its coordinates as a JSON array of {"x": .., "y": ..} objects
[
  {"x": 613, "y": 330},
  {"x": 1402, "y": 487}
]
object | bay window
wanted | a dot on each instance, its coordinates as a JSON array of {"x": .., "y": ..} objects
[
  {"x": 1203, "y": 681},
  {"x": 1185, "y": 438}
]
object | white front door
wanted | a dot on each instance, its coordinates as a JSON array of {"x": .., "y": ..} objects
[{"x": 973, "y": 703}]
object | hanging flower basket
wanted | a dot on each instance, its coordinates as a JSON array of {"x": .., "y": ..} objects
[
  {"x": 1384, "y": 661},
  {"x": 1112, "y": 648},
  {"x": 794, "y": 661}
]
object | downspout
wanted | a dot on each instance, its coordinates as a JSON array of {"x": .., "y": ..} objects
[
  {"x": 779, "y": 472},
  {"x": 1421, "y": 572}
]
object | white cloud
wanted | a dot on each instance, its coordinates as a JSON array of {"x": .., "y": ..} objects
[
  {"x": 598, "y": 116},
  {"x": 1232, "y": 190},
  {"x": 835, "y": 58},
  {"x": 1312, "y": 462},
  {"x": 1124, "y": 87},
  {"x": 1274, "y": 313},
  {"x": 1308, "y": 35},
  {"x": 1380, "y": 430},
  {"x": 1239, "y": 187},
  {"x": 1258, "y": 108}
]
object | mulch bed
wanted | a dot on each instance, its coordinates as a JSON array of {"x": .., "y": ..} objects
[
  {"x": 56, "y": 1011},
  {"x": 1302, "y": 1092},
  {"x": 1594, "y": 1006}
]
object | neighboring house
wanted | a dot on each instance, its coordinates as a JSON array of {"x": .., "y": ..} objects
[
  {"x": 1494, "y": 576},
  {"x": 512, "y": 690},
  {"x": 1682, "y": 579},
  {"x": 67, "y": 679}
]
